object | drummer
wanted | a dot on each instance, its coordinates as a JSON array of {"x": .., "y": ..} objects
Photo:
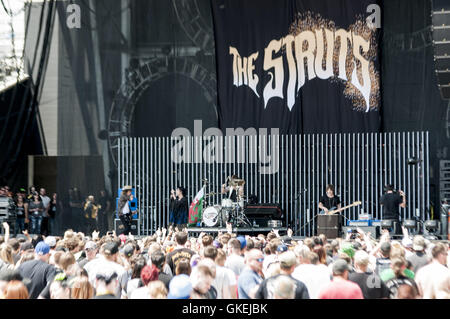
[{"x": 234, "y": 189}]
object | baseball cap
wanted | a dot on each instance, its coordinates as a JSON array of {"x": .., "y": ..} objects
[
  {"x": 128, "y": 250},
  {"x": 418, "y": 243},
  {"x": 111, "y": 248},
  {"x": 26, "y": 246},
  {"x": 106, "y": 273},
  {"x": 340, "y": 266},
  {"x": 243, "y": 241},
  {"x": 282, "y": 248},
  {"x": 180, "y": 287},
  {"x": 42, "y": 248},
  {"x": 90, "y": 245},
  {"x": 348, "y": 249},
  {"x": 51, "y": 241},
  {"x": 385, "y": 247},
  {"x": 287, "y": 259},
  {"x": 407, "y": 242}
]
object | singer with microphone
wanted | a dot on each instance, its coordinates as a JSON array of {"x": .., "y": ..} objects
[{"x": 179, "y": 207}]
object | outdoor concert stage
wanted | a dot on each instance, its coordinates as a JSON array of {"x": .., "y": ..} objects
[{"x": 236, "y": 230}]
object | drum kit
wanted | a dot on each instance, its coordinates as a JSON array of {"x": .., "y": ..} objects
[{"x": 228, "y": 212}]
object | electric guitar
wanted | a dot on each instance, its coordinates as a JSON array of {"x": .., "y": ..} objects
[{"x": 334, "y": 210}]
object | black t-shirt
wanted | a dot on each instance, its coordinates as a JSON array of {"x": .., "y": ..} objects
[
  {"x": 175, "y": 256},
  {"x": 371, "y": 285},
  {"x": 39, "y": 273},
  {"x": 20, "y": 211},
  {"x": 330, "y": 202},
  {"x": 45, "y": 293},
  {"x": 391, "y": 202},
  {"x": 265, "y": 290},
  {"x": 394, "y": 283},
  {"x": 165, "y": 278}
]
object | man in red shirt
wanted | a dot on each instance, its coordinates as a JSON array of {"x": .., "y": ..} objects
[{"x": 340, "y": 287}]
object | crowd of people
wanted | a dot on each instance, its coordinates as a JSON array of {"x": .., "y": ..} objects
[
  {"x": 37, "y": 213},
  {"x": 171, "y": 264}
]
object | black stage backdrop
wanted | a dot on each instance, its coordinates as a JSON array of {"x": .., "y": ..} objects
[{"x": 261, "y": 84}]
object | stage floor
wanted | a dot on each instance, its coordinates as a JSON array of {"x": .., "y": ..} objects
[{"x": 238, "y": 230}]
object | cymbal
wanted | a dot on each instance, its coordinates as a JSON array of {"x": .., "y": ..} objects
[
  {"x": 237, "y": 182},
  {"x": 210, "y": 194}
]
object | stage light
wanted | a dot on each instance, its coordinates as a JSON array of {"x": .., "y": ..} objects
[
  {"x": 409, "y": 223},
  {"x": 386, "y": 224},
  {"x": 413, "y": 161},
  {"x": 432, "y": 228}
]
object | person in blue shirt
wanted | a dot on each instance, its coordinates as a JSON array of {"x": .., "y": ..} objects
[{"x": 250, "y": 278}]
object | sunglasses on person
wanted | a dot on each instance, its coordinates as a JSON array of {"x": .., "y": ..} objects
[{"x": 260, "y": 260}]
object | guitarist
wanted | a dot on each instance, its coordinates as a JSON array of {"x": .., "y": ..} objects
[{"x": 329, "y": 201}]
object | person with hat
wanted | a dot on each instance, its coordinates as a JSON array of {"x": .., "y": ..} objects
[
  {"x": 106, "y": 282},
  {"x": 108, "y": 259},
  {"x": 418, "y": 259},
  {"x": 268, "y": 288},
  {"x": 340, "y": 287},
  {"x": 38, "y": 271},
  {"x": 124, "y": 210}
]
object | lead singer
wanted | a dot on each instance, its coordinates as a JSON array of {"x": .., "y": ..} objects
[{"x": 124, "y": 210}]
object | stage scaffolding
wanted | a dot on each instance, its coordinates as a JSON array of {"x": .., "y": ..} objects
[{"x": 300, "y": 167}]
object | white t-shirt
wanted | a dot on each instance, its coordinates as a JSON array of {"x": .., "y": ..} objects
[
  {"x": 268, "y": 260},
  {"x": 224, "y": 279},
  {"x": 434, "y": 281},
  {"x": 132, "y": 285},
  {"x": 126, "y": 209},
  {"x": 94, "y": 266},
  {"x": 140, "y": 293},
  {"x": 315, "y": 277},
  {"x": 45, "y": 201},
  {"x": 235, "y": 263}
]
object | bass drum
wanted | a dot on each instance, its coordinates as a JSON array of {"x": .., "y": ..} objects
[{"x": 211, "y": 216}]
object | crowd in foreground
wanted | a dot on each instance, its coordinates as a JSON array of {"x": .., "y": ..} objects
[{"x": 170, "y": 264}]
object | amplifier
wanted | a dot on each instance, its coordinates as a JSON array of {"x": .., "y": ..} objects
[
  {"x": 118, "y": 227},
  {"x": 375, "y": 223},
  {"x": 269, "y": 210},
  {"x": 329, "y": 225},
  {"x": 358, "y": 223}
]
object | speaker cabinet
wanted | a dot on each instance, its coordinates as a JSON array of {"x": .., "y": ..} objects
[
  {"x": 118, "y": 226},
  {"x": 329, "y": 225},
  {"x": 441, "y": 43}
]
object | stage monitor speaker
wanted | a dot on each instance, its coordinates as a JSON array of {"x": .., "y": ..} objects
[
  {"x": 267, "y": 210},
  {"x": 441, "y": 44},
  {"x": 118, "y": 227},
  {"x": 329, "y": 225}
]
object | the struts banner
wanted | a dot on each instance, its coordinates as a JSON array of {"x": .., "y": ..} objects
[{"x": 303, "y": 66}]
